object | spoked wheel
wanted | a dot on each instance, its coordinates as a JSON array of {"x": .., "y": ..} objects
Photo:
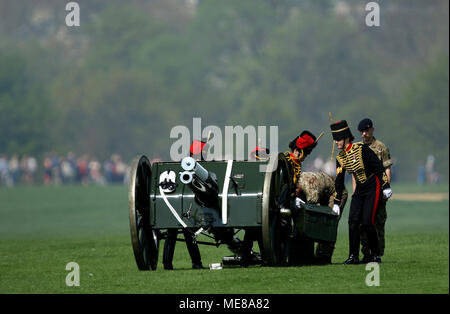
[
  {"x": 276, "y": 229},
  {"x": 144, "y": 239}
]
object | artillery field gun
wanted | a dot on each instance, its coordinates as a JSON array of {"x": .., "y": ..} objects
[{"x": 215, "y": 198}]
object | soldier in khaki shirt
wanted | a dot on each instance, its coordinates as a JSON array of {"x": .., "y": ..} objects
[
  {"x": 366, "y": 129},
  {"x": 318, "y": 188}
]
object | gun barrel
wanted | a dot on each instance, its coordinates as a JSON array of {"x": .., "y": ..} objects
[
  {"x": 200, "y": 181},
  {"x": 190, "y": 164}
]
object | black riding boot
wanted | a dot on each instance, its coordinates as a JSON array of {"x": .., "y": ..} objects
[
  {"x": 374, "y": 244},
  {"x": 354, "y": 243}
]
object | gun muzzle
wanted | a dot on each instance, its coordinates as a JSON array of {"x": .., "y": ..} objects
[{"x": 186, "y": 177}]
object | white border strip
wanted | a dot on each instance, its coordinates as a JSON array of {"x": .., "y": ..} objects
[{"x": 226, "y": 183}]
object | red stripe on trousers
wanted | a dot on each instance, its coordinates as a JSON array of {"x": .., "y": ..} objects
[{"x": 377, "y": 198}]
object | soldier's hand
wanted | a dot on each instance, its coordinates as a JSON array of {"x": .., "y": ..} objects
[
  {"x": 298, "y": 202},
  {"x": 336, "y": 209},
  {"x": 387, "y": 193}
]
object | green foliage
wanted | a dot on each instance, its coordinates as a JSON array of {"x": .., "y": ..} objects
[
  {"x": 122, "y": 80},
  {"x": 24, "y": 110},
  {"x": 423, "y": 114}
]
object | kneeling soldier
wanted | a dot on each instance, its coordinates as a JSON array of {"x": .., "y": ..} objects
[{"x": 318, "y": 188}]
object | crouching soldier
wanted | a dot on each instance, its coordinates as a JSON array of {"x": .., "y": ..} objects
[
  {"x": 197, "y": 152},
  {"x": 318, "y": 188}
]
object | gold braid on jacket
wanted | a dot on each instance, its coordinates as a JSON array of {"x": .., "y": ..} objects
[{"x": 296, "y": 166}]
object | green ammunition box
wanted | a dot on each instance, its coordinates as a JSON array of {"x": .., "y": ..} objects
[{"x": 317, "y": 222}]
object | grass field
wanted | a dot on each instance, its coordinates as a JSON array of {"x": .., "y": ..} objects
[{"x": 44, "y": 228}]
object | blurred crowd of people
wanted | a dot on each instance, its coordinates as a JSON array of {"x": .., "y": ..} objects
[
  {"x": 71, "y": 169},
  {"x": 15, "y": 169},
  {"x": 54, "y": 169}
]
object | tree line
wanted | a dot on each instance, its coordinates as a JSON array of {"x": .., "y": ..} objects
[{"x": 129, "y": 73}]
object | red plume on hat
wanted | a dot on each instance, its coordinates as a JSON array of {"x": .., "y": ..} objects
[
  {"x": 197, "y": 147},
  {"x": 304, "y": 141}
]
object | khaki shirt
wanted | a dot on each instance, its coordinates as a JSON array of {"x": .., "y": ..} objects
[{"x": 381, "y": 151}]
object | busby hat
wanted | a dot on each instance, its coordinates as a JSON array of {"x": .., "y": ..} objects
[
  {"x": 365, "y": 124},
  {"x": 306, "y": 141},
  {"x": 340, "y": 130}
]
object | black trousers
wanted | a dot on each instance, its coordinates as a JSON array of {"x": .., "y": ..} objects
[
  {"x": 363, "y": 208},
  {"x": 169, "y": 247},
  {"x": 251, "y": 235}
]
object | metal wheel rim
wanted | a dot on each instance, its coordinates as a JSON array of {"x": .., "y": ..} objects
[
  {"x": 144, "y": 239},
  {"x": 274, "y": 245}
]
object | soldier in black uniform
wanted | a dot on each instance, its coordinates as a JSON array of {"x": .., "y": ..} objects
[
  {"x": 169, "y": 243},
  {"x": 363, "y": 163},
  {"x": 300, "y": 248},
  {"x": 301, "y": 147}
]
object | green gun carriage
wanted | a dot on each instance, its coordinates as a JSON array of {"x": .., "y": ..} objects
[{"x": 214, "y": 197}]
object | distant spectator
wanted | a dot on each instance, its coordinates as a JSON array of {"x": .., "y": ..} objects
[
  {"x": 108, "y": 170},
  {"x": 421, "y": 177},
  {"x": 14, "y": 169},
  {"x": 56, "y": 169},
  {"x": 72, "y": 161},
  {"x": 126, "y": 178},
  {"x": 94, "y": 172},
  {"x": 82, "y": 169},
  {"x": 431, "y": 174},
  {"x": 5, "y": 178},
  {"x": 47, "y": 171},
  {"x": 68, "y": 172},
  {"x": 28, "y": 164},
  {"x": 119, "y": 168}
]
